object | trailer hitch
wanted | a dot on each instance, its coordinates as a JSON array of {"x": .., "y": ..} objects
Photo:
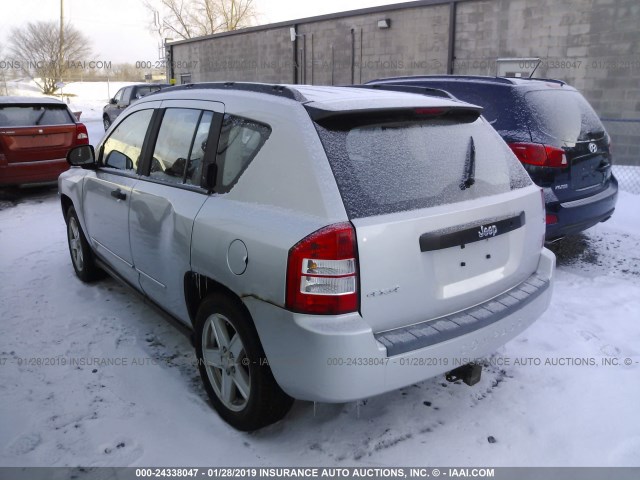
[{"x": 469, "y": 374}]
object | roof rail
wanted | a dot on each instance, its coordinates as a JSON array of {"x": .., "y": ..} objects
[
  {"x": 509, "y": 80},
  {"x": 282, "y": 91},
  {"x": 420, "y": 90},
  {"x": 445, "y": 77}
]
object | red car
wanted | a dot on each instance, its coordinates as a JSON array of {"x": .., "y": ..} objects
[{"x": 35, "y": 136}]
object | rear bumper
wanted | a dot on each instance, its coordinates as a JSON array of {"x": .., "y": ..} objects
[
  {"x": 340, "y": 359},
  {"x": 576, "y": 216},
  {"x": 42, "y": 171}
]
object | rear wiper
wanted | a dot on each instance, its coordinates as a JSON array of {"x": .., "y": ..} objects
[
  {"x": 469, "y": 177},
  {"x": 40, "y": 116}
]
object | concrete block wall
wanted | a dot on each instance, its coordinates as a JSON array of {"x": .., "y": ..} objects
[
  {"x": 416, "y": 42},
  {"x": 593, "y": 45},
  {"x": 258, "y": 56}
]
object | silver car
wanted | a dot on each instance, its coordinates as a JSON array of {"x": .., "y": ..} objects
[{"x": 322, "y": 243}]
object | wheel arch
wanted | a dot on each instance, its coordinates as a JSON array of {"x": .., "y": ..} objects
[
  {"x": 197, "y": 287},
  {"x": 65, "y": 203}
]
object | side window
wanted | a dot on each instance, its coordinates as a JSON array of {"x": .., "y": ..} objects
[
  {"x": 123, "y": 148},
  {"x": 240, "y": 141},
  {"x": 178, "y": 153},
  {"x": 126, "y": 95},
  {"x": 194, "y": 168},
  {"x": 144, "y": 91},
  {"x": 118, "y": 96}
]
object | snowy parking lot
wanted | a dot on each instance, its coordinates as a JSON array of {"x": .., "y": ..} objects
[
  {"x": 91, "y": 375},
  {"x": 560, "y": 394}
]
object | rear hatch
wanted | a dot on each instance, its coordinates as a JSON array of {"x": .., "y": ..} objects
[
  {"x": 563, "y": 119},
  {"x": 445, "y": 216},
  {"x": 33, "y": 132}
]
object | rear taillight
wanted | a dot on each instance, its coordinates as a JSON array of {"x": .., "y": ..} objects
[
  {"x": 539, "y": 154},
  {"x": 551, "y": 219},
  {"x": 82, "y": 137},
  {"x": 322, "y": 272}
]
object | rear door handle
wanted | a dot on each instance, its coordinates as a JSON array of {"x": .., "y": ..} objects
[{"x": 119, "y": 194}]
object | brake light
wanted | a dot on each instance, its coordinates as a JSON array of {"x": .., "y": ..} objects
[
  {"x": 551, "y": 219},
  {"x": 430, "y": 111},
  {"x": 82, "y": 137},
  {"x": 322, "y": 272},
  {"x": 539, "y": 154}
]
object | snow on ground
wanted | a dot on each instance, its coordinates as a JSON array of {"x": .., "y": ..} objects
[
  {"x": 90, "y": 97},
  {"x": 153, "y": 411},
  {"x": 156, "y": 412}
]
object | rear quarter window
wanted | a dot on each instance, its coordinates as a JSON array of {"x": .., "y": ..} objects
[
  {"x": 34, "y": 115},
  {"x": 240, "y": 141},
  {"x": 390, "y": 167}
]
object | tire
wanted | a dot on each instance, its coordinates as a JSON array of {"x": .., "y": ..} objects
[
  {"x": 107, "y": 122},
  {"x": 234, "y": 370},
  {"x": 82, "y": 257}
]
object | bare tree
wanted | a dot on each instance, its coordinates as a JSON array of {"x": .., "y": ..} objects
[
  {"x": 37, "y": 47},
  {"x": 195, "y": 18},
  {"x": 3, "y": 78}
]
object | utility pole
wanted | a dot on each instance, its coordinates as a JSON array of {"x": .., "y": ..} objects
[{"x": 61, "y": 49}]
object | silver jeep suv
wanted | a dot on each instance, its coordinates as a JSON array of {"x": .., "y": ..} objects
[{"x": 322, "y": 243}]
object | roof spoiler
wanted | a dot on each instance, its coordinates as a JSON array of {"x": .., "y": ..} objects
[
  {"x": 432, "y": 92},
  {"x": 351, "y": 118}
]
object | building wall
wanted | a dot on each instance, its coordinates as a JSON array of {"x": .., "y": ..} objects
[
  {"x": 259, "y": 56},
  {"x": 593, "y": 45},
  {"x": 415, "y": 42}
]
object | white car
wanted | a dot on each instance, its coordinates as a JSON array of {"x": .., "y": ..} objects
[{"x": 322, "y": 243}]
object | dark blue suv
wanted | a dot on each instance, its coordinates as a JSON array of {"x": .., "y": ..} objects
[{"x": 553, "y": 131}]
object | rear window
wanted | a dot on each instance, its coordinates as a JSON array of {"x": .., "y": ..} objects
[
  {"x": 402, "y": 165},
  {"x": 564, "y": 115},
  {"x": 34, "y": 115}
]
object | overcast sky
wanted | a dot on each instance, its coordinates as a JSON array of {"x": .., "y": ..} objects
[{"x": 118, "y": 29}]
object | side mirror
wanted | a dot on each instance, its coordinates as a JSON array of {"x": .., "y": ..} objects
[
  {"x": 112, "y": 101},
  {"x": 81, "y": 156}
]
